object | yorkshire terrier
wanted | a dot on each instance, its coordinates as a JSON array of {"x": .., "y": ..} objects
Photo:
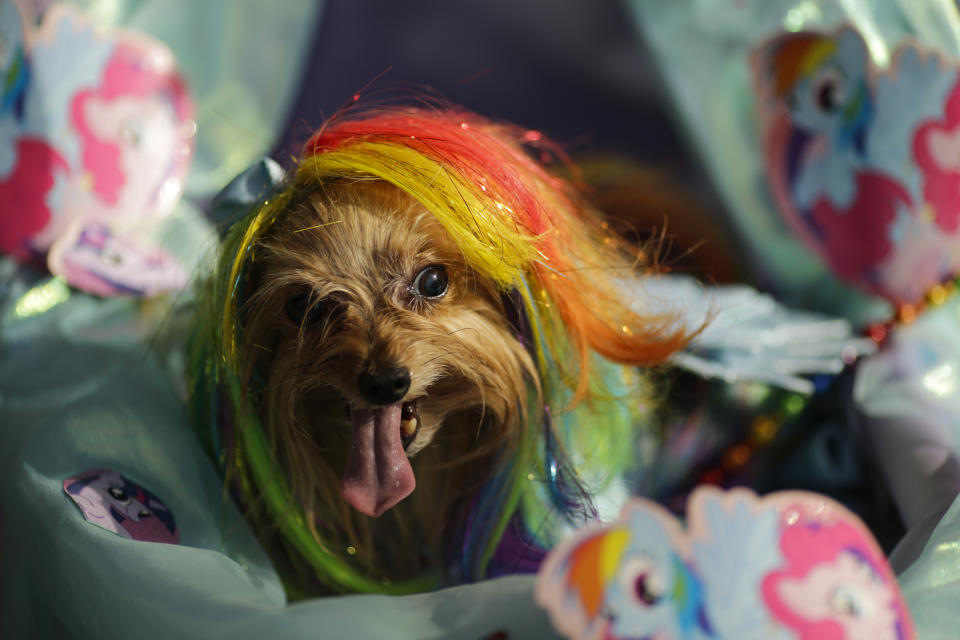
[{"x": 385, "y": 339}]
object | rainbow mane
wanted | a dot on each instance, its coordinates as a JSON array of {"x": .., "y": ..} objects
[
  {"x": 593, "y": 565},
  {"x": 515, "y": 224},
  {"x": 798, "y": 58}
]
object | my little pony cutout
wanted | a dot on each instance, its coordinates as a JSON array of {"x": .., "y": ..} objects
[
  {"x": 109, "y": 500},
  {"x": 861, "y": 161},
  {"x": 791, "y": 565},
  {"x": 96, "y": 131},
  {"x": 99, "y": 261},
  {"x": 831, "y": 585}
]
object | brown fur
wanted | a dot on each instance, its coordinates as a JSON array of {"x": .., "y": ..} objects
[{"x": 357, "y": 246}]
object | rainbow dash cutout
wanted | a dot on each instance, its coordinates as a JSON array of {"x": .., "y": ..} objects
[
  {"x": 95, "y": 130},
  {"x": 864, "y": 163},
  {"x": 788, "y": 566},
  {"x": 109, "y": 500}
]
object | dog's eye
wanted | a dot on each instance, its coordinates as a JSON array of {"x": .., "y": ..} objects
[
  {"x": 431, "y": 282},
  {"x": 307, "y": 309}
]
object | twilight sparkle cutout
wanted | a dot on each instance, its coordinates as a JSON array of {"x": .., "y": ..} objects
[
  {"x": 790, "y": 565},
  {"x": 109, "y": 500},
  {"x": 95, "y": 258}
]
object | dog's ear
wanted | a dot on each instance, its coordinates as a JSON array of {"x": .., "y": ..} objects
[{"x": 572, "y": 583}]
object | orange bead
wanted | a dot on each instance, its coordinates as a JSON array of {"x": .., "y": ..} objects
[
  {"x": 907, "y": 313},
  {"x": 737, "y": 457}
]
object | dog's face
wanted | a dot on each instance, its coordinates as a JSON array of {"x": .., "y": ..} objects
[{"x": 368, "y": 334}]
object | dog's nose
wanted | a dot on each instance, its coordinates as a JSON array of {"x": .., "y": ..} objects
[{"x": 384, "y": 386}]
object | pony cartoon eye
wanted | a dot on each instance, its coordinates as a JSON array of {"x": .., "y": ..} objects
[
  {"x": 845, "y": 602},
  {"x": 849, "y": 602},
  {"x": 643, "y": 579},
  {"x": 143, "y": 513},
  {"x": 829, "y": 90},
  {"x": 113, "y": 256},
  {"x": 431, "y": 282},
  {"x": 118, "y": 493},
  {"x": 131, "y": 131}
]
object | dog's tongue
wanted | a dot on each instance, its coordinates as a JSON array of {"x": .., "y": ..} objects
[{"x": 378, "y": 473}]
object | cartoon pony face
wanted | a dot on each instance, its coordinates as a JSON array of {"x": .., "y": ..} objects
[
  {"x": 835, "y": 584},
  {"x": 653, "y": 592},
  {"x": 109, "y": 500},
  {"x": 131, "y": 132},
  {"x": 626, "y": 582},
  {"x": 823, "y": 81},
  {"x": 97, "y": 260}
]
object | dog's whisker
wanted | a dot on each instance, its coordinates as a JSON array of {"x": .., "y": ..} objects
[{"x": 318, "y": 226}]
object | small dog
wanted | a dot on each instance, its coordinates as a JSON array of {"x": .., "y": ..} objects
[{"x": 386, "y": 336}]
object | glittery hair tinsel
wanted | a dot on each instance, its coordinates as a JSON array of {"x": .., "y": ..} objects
[{"x": 516, "y": 224}]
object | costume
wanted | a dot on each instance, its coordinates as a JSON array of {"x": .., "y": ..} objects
[{"x": 94, "y": 429}]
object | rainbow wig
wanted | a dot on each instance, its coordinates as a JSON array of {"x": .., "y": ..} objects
[{"x": 519, "y": 226}]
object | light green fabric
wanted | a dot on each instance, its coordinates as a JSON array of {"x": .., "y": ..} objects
[
  {"x": 80, "y": 389},
  {"x": 931, "y": 585}
]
